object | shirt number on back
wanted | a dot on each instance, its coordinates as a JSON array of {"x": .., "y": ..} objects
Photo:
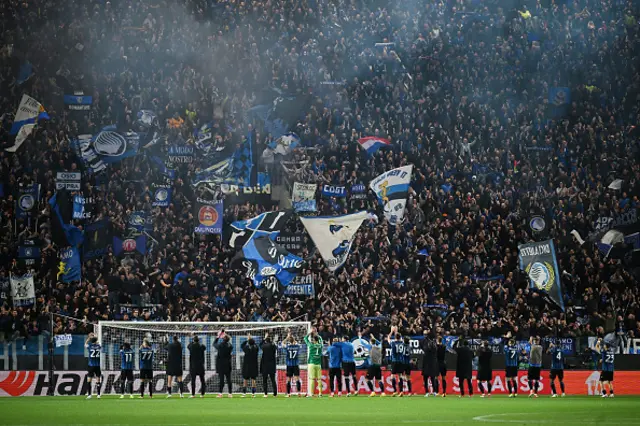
[
  {"x": 95, "y": 353},
  {"x": 128, "y": 357},
  {"x": 559, "y": 356},
  {"x": 293, "y": 354}
]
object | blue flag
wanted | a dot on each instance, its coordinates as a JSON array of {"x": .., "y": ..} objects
[
  {"x": 78, "y": 103},
  {"x": 70, "y": 268},
  {"x": 64, "y": 233},
  {"x": 265, "y": 225},
  {"x": 268, "y": 265},
  {"x": 161, "y": 195},
  {"x": 334, "y": 191},
  {"x": 96, "y": 239},
  {"x": 130, "y": 245},
  {"x": 28, "y": 200}
]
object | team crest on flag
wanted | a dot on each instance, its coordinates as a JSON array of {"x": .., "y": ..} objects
[
  {"x": 22, "y": 290},
  {"x": 334, "y": 235},
  {"x": 161, "y": 195},
  {"x": 208, "y": 216},
  {"x": 538, "y": 261},
  {"x": 392, "y": 189}
]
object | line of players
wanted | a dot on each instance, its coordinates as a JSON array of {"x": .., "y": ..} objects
[{"x": 342, "y": 362}]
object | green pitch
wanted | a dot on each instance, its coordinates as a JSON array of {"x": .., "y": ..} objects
[{"x": 361, "y": 410}]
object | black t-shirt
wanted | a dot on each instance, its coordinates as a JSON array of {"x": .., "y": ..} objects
[
  {"x": 196, "y": 356},
  {"x": 175, "y": 355}
]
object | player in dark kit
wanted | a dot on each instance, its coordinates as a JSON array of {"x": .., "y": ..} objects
[
  {"x": 268, "y": 364},
  {"x": 174, "y": 366},
  {"x": 608, "y": 355},
  {"x": 441, "y": 351},
  {"x": 196, "y": 365},
  {"x": 291, "y": 356},
  {"x": 146, "y": 367},
  {"x": 429, "y": 364},
  {"x": 535, "y": 365},
  {"x": 511, "y": 359},
  {"x": 406, "y": 361},
  {"x": 126, "y": 369},
  {"x": 397, "y": 361},
  {"x": 485, "y": 371},
  {"x": 334, "y": 352},
  {"x": 464, "y": 367},
  {"x": 374, "y": 372},
  {"x": 557, "y": 369},
  {"x": 348, "y": 365},
  {"x": 93, "y": 370},
  {"x": 223, "y": 361},
  {"x": 249, "y": 365}
]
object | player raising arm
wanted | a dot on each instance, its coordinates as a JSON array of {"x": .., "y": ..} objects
[
  {"x": 249, "y": 365},
  {"x": 314, "y": 361},
  {"x": 397, "y": 358},
  {"x": 146, "y": 367},
  {"x": 335, "y": 374},
  {"x": 93, "y": 370},
  {"x": 557, "y": 369},
  {"x": 511, "y": 366},
  {"x": 375, "y": 366},
  {"x": 292, "y": 350},
  {"x": 126, "y": 367},
  {"x": 606, "y": 373},
  {"x": 348, "y": 365},
  {"x": 535, "y": 364}
]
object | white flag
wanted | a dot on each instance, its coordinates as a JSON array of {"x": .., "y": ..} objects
[
  {"x": 334, "y": 235},
  {"x": 392, "y": 189},
  {"x": 303, "y": 197},
  {"x": 22, "y": 135},
  {"x": 22, "y": 290}
]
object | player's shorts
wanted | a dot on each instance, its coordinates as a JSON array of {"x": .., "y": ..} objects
[
  {"x": 349, "y": 368},
  {"x": 126, "y": 375},
  {"x": 533, "y": 373},
  {"x": 293, "y": 371},
  {"x": 407, "y": 368},
  {"x": 374, "y": 372},
  {"x": 606, "y": 376},
  {"x": 511, "y": 371},
  {"x": 249, "y": 376},
  {"x": 556, "y": 373},
  {"x": 442, "y": 368},
  {"x": 397, "y": 368},
  {"x": 485, "y": 375},
  {"x": 146, "y": 374},
  {"x": 315, "y": 371},
  {"x": 94, "y": 372},
  {"x": 174, "y": 372}
]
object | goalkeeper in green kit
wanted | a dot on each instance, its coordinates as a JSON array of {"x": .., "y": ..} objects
[{"x": 314, "y": 361}]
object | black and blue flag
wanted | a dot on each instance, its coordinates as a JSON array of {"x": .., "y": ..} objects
[{"x": 63, "y": 233}]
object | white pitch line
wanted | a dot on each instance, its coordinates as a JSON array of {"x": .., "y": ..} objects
[{"x": 490, "y": 418}]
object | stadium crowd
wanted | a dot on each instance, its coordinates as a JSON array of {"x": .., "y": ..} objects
[{"x": 461, "y": 88}]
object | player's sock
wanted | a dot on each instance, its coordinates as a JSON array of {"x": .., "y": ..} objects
[
  {"x": 481, "y": 387},
  {"x": 288, "y": 388},
  {"x": 130, "y": 384},
  {"x": 611, "y": 391},
  {"x": 435, "y": 385},
  {"x": 370, "y": 386},
  {"x": 425, "y": 380},
  {"x": 401, "y": 386},
  {"x": 509, "y": 386},
  {"x": 299, "y": 386},
  {"x": 180, "y": 387},
  {"x": 470, "y": 387},
  {"x": 409, "y": 385},
  {"x": 169, "y": 388},
  {"x": 444, "y": 385},
  {"x": 604, "y": 391},
  {"x": 562, "y": 386},
  {"x": 347, "y": 382},
  {"x": 98, "y": 388},
  {"x": 393, "y": 384},
  {"x": 462, "y": 388},
  {"x": 150, "y": 388},
  {"x": 535, "y": 387},
  {"x": 489, "y": 387},
  {"x": 553, "y": 387},
  {"x": 381, "y": 384},
  {"x": 142, "y": 388},
  {"x": 122, "y": 386},
  {"x": 253, "y": 390}
]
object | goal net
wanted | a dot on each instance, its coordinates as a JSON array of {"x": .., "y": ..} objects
[{"x": 113, "y": 334}]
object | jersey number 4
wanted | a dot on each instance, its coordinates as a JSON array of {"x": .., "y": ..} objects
[{"x": 559, "y": 356}]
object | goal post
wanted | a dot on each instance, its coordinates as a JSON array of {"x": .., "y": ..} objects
[{"x": 113, "y": 334}]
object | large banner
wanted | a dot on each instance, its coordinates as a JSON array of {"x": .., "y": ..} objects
[
  {"x": 538, "y": 261},
  {"x": 333, "y": 235},
  {"x": 208, "y": 216},
  {"x": 36, "y": 383},
  {"x": 392, "y": 189},
  {"x": 22, "y": 290},
  {"x": 302, "y": 285},
  {"x": 303, "y": 197}
]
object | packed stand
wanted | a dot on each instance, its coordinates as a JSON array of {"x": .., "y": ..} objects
[{"x": 460, "y": 88}]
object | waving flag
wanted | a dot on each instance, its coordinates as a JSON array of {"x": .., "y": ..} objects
[
  {"x": 108, "y": 146},
  {"x": 373, "y": 143},
  {"x": 26, "y": 118},
  {"x": 538, "y": 261},
  {"x": 237, "y": 169},
  {"x": 392, "y": 189},
  {"x": 63, "y": 232},
  {"x": 285, "y": 143},
  {"x": 148, "y": 118},
  {"x": 265, "y": 225},
  {"x": 69, "y": 268},
  {"x": 268, "y": 264},
  {"x": 334, "y": 235}
]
